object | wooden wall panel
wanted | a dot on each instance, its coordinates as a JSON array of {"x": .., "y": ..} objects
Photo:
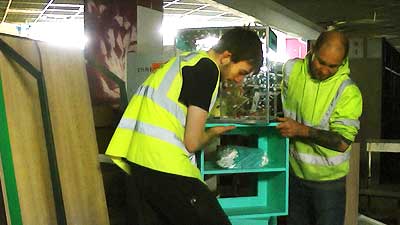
[
  {"x": 73, "y": 130},
  {"x": 74, "y": 136},
  {"x": 27, "y": 136}
]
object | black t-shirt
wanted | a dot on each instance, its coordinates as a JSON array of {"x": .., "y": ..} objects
[{"x": 199, "y": 83}]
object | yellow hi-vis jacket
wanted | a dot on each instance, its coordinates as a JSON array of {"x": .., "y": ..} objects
[
  {"x": 334, "y": 104},
  {"x": 152, "y": 127}
]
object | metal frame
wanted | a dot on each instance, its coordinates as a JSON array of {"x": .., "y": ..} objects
[{"x": 380, "y": 145}]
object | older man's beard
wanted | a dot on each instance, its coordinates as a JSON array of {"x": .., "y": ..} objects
[{"x": 313, "y": 72}]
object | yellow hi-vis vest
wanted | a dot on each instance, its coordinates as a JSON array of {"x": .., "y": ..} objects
[
  {"x": 152, "y": 127},
  {"x": 334, "y": 104}
]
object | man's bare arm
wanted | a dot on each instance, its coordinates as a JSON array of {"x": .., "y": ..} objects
[{"x": 195, "y": 136}]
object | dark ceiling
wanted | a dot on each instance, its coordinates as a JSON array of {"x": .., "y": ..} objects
[{"x": 369, "y": 18}]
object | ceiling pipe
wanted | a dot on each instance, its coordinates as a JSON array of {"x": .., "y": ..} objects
[{"x": 6, "y": 12}]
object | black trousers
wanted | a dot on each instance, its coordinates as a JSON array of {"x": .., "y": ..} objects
[
  {"x": 157, "y": 198},
  {"x": 316, "y": 203}
]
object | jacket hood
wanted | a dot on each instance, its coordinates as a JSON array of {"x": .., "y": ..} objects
[{"x": 311, "y": 85}]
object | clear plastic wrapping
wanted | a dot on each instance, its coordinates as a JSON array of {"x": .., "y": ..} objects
[{"x": 239, "y": 157}]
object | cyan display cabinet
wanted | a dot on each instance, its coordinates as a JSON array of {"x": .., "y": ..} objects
[{"x": 269, "y": 197}]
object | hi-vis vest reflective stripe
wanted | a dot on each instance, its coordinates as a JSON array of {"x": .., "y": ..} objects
[
  {"x": 152, "y": 128},
  {"x": 309, "y": 160}
]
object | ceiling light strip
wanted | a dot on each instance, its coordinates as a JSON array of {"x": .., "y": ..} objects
[
  {"x": 195, "y": 10},
  {"x": 170, "y": 3},
  {"x": 67, "y": 5},
  {"x": 6, "y": 12},
  {"x": 44, "y": 10},
  {"x": 77, "y": 14},
  {"x": 219, "y": 15},
  {"x": 187, "y": 3}
]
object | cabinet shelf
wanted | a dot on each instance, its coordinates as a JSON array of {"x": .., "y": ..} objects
[
  {"x": 213, "y": 168},
  {"x": 253, "y": 212},
  {"x": 270, "y": 200},
  {"x": 253, "y": 221},
  {"x": 250, "y": 125}
]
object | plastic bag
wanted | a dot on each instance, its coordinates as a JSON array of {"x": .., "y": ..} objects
[{"x": 239, "y": 157}]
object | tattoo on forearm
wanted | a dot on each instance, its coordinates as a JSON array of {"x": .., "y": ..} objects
[{"x": 327, "y": 139}]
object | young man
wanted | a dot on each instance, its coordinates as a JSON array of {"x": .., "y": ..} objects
[
  {"x": 322, "y": 107},
  {"x": 163, "y": 127}
]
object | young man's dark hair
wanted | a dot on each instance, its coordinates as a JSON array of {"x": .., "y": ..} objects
[{"x": 233, "y": 40}]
